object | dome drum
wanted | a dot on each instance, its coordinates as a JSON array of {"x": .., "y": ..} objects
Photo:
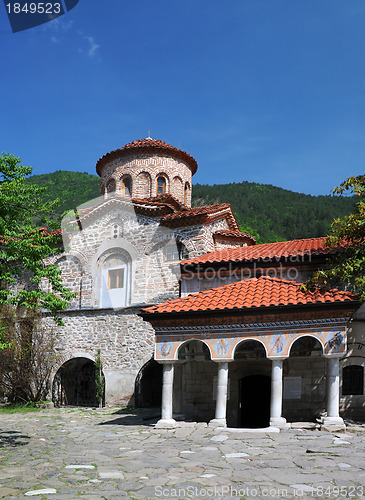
[{"x": 144, "y": 172}]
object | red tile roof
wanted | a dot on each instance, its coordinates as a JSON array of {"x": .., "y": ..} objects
[
  {"x": 168, "y": 199},
  {"x": 292, "y": 248},
  {"x": 147, "y": 146},
  {"x": 252, "y": 293},
  {"x": 197, "y": 214},
  {"x": 234, "y": 234},
  {"x": 138, "y": 203}
]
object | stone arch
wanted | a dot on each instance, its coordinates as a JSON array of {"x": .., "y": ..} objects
[
  {"x": 148, "y": 385},
  {"x": 126, "y": 185},
  {"x": 187, "y": 194},
  {"x": 114, "y": 278},
  {"x": 102, "y": 189},
  {"x": 305, "y": 343},
  {"x": 162, "y": 189},
  {"x": 143, "y": 185},
  {"x": 193, "y": 349},
  {"x": 248, "y": 348},
  {"x": 111, "y": 186},
  {"x": 74, "y": 383},
  {"x": 177, "y": 187}
]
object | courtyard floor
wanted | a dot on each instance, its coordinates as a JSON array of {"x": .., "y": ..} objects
[{"x": 104, "y": 454}]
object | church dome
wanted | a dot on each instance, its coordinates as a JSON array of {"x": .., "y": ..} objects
[
  {"x": 147, "y": 168},
  {"x": 145, "y": 146}
]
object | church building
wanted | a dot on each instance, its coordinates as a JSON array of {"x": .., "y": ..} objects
[{"x": 190, "y": 312}]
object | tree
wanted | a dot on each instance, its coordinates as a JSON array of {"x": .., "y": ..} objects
[
  {"x": 27, "y": 363},
  {"x": 99, "y": 379},
  {"x": 347, "y": 237},
  {"x": 26, "y": 281}
]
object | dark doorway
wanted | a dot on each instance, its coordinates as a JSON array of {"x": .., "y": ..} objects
[
  {"x": 254, "y": 401},
  {"x": 148, "y": 385},
  {"x": 74, "y": 383}
]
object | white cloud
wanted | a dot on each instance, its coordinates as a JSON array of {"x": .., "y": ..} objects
[
  {"x": 58, "y": 26},
  {"x": 93, "y": 46}
]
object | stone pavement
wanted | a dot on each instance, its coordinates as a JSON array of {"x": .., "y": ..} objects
[{"x": 103, "y": 454}]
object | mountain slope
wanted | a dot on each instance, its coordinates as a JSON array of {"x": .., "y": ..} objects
[{"x": 267, "y": 212}]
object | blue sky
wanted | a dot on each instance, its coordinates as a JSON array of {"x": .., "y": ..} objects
[{"x": 269, "y": 91}]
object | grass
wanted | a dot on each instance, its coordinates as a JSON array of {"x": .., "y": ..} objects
[{"x": 19, "y": 408}]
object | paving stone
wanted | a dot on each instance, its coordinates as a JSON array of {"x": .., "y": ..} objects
[
  {"x": 44, "y": 491},
  {"x": 138, "y": 458}
]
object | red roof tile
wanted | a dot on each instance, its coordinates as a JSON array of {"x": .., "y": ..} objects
[
  {"x": 192, "y": 215},
  {"x": 310, "y": 246},
  {"x": 147, "y": 146},
  {"x": 234, "y": 234},
  {"x": 252, "y": 293}
]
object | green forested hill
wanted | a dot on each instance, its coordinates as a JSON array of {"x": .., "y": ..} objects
[
  {"x": 72, "y": 188},
  {"x": 267, "y": 212},
  {"x": 272, "y": 214}
]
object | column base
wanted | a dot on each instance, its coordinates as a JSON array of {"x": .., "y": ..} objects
[
  {"x": 165, "y": 423},
  {"x": 333, "y": 424},
  {"x": 218, "y": 422},
  {"x": 279, "y": 422}
]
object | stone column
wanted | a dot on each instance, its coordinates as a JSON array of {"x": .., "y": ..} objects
[
  {"x": 276, "y": 402},
  {"x": 333, "y": 393},
  {"x": 167, "y": 393},
  {"x": 221, "y": 402}
]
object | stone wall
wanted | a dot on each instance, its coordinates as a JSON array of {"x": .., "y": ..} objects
[
  {"x": 144, "y": 170},
  {"x": 125, "y": 341}
]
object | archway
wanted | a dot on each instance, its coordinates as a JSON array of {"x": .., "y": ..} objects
[
  {"x": 255, "y": 392},
  {"x": 254, "y": 384},
  {"x": 194, "y": 381},
  {"x": 74, "y": 383},
  {"x": 304, "y": 380},
  {"x": 148, "y": 385}
]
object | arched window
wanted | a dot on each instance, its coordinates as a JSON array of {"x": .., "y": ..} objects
[
  {"x": 186, "y": 194},
  {"x": 353, "y": 380},
  {"x": 115, "y": 274},
  {"x": 110, "y": 186},
  {"x": 161, "y": 185},
  {"x": 127, "y": 186}
]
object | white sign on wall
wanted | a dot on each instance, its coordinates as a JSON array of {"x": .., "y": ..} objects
[{"x": 292, "y": 387}]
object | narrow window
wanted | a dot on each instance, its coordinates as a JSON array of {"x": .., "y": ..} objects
[
  {"x": 127, "y": 186},
  {"x": 186, "y": 190},
  {"x": 115, "y": 278},
  {"x": 353, "y": 380},
  {"x": 161, "y": 185},
  {"x": 175, "y": 251}
]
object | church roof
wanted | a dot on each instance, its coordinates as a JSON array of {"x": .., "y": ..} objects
[
  {"x": 252, "y": 293},
  {"x": 235, "y": 235},
  {"x": 147, "y": 146},
  {"x": 265, "y": 251},
  {"x": 198, "y": 215}
]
